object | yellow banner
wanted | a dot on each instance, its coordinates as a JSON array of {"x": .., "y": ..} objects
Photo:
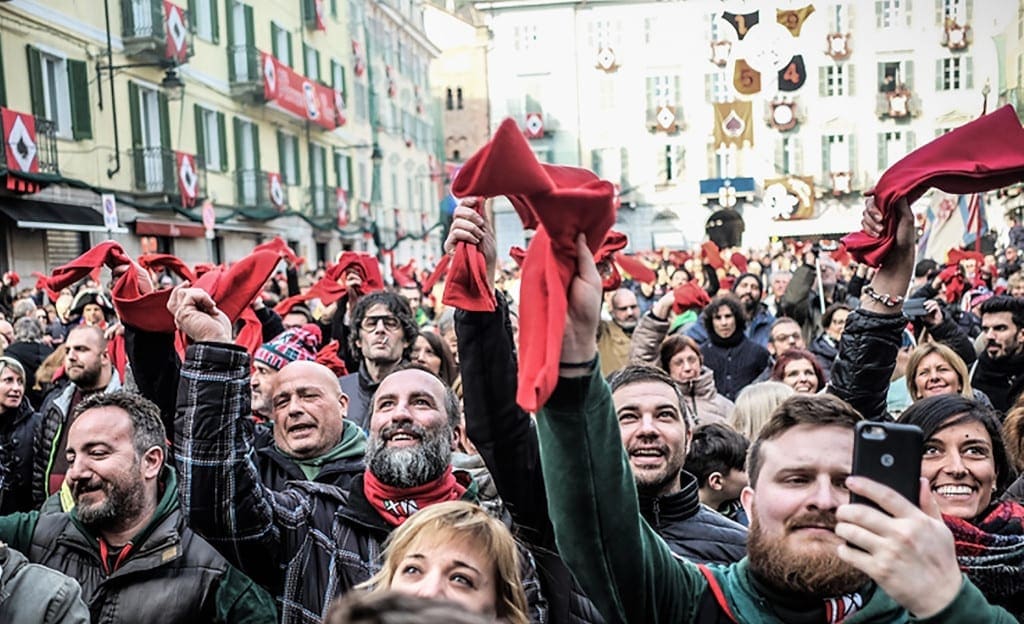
[{"x": 734, "y": 124}]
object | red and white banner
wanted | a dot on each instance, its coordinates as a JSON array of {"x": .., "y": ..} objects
[
  {"x": 358, "y": 62},
  {"x": 276, "y": 190},
  {"x": 176, "y": 28},
  {"x": 534, "y": 126},
  {"x": 318, "y": 9},
  {"x": 296, "y": 94},
  {"x": 188, "y": 179},
  {"x": 341, "y": 201},
  {"x": 20, "y": 149}
]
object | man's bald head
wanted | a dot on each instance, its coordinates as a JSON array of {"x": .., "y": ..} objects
[{"x": 308, "y": 408}]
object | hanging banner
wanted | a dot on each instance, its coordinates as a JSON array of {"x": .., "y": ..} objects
[
  {"x": 791, "y": 197},
  {"x": 534, "y": 126},
  {"x": 296, "y": 94},
  {"x": 176, "y": 29},
  {"x": 276, "y": 190},
  {"x": 21, "y": 150},
  {"x": 733, "y": 123},
  {"x": 358, "y": 62},
  {"x": 188, "y": 179},
  {"x": 318, "y": 10},
  {"x": 341, "y": 203}
]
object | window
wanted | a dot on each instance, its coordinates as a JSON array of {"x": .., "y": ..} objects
[
  {"x": 249, "y": 179},
  {"x": 662, "y": 91},
  {"x": 458, "y": 98},
  {"x": 211, "y": 139},
  {"x": 839, "y": 18},
  {"x": 670, "y": 163},
  {"x": 525, "y": 38},
  {"x": 449, "y": 102},
  {"x": 714, "y": 28},
  {"x": 318, "y": 178},
  {"x": 893, "y": 146},
  {"x": 240, "y": 25},
  {"x": 954, "y": 73},
  {"x": 837, "y": 154},
  {"x": 311, "y": 62},
  {"x": 717, "y": 87},
  {"x": 150, "y": 137},
  {"x": 892, "y": 13},
  {"x": 788, "y": 156},
  {"x": 957, "y": 10},
  {"x": 203, "y": 14},
  {"x": 288, "y": 157},
  {"x": 836, "y": 80},
  {"x": 343, "y": 172},
  {"x": 359, "y": 91},
  {"x": 893, "y": 75},
  {"x": 602, "y": 33},
  {"x": 364, "y": 189},
  {"x": 281, "y": 44},
  {"x": 725, "y": 162},
  {"x": 338, "y": 80},
  {"x": 59, "y": 90}
]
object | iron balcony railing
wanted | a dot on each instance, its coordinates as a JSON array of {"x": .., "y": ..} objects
[
  {"x": 144, "y": 30},
  {"x": 156, "y": 171},
  {"x": 46, "y": 145},
  {"x": 252, "y": 189}
]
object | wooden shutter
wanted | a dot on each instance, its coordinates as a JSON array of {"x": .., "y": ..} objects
[
  {"x": 201, "y": 155},
  {"x": 78, "y": 86},
  {"x": 222, "y": 138},
  {"x": 35, "y": 81}
]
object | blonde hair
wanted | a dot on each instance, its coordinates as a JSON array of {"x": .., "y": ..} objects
[
  {"x": 459, "y": 520},
  {"x": 755, "y": 405},
  {"x": 925, "y": 349}
]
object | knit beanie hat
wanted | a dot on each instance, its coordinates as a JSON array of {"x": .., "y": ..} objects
[
  {"x": 297, "y": 343},
  {"x": 754, "y": 276}
]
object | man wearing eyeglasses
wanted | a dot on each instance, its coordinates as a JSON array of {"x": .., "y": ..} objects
[
  {"x": 382, "y": 333},
  {"x": 784, "y": 334}
]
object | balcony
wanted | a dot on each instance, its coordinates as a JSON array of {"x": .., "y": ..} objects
[
  {"x": 899, "y": 104},
  {"x": 150, "y": 34},
  {"x": 244, "y": 72},
  {"x": 46, "y": 145},
  {"x": 156, "y": 172},
  {"x": 252, "y": 189},
  {"x": 321, "y": 203}
]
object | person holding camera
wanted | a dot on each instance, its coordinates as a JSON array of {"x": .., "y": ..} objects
[
  {"x": 815, "y": 286},
  {"x": 812, "y": 556}
]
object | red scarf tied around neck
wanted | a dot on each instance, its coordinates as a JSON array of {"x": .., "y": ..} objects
[{"x": 395, "y": 504}]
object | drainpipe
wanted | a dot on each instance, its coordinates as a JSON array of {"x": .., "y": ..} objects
[{"x": 113, "y": 96}]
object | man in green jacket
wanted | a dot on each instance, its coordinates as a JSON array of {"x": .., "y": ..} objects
[
  {"x": 814, "y": 557},
  {"x": 125, "y": 540}
]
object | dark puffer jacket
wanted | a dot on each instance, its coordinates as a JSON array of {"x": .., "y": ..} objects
[
  {"x": 53, "y": 419},
  {"x": 863, "y": 368},
  {"x": 277, "y": 469},
  {"x": 307, "y": 543},
  {"x": 17, "y": 436},
  {"x": 506, "y": 439},
  {"x": 359, "y": 388},
  {"x": 168, "y": 574},
  {"x": 736, "y": 361},
  {"x": 691, "y": 530}
]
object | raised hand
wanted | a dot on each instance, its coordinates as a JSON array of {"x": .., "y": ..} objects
[
  {"x": 910, "y": 555},
  {"x": 196, "y": 313},
  {"x": 468, "y": 226},
  {"x": 579, "y": 341}
]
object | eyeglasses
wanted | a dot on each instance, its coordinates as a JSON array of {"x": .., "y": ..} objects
[{"x": 369, "y": 323}]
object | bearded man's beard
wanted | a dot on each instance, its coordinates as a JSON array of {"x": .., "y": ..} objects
[{"x": 814, "y": 570}]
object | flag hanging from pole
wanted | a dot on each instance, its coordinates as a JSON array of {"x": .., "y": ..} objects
[{"x": 733, "y": 123}]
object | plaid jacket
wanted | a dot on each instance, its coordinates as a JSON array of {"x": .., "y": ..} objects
[{"x": 307, "y": 543}]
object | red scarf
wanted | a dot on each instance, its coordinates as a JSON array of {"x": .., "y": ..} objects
[{"x": 396, "y": 504}]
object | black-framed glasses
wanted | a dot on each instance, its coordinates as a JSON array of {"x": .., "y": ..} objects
[{"x": 369, "y": 323}]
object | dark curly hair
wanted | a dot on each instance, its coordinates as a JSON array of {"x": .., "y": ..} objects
[{"x": 397, "y": 305}]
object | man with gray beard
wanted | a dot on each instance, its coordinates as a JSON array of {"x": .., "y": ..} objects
[{"x": 308, "y": 542}]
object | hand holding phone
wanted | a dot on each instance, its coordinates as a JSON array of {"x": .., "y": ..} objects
[
  {"x": 914, "y": 307},
  {"x": 889, "y": 453}
]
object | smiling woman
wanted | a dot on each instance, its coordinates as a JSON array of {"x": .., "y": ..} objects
[
  {"x": 455, "y": 551},
  {"x": 967, "y": 468}
]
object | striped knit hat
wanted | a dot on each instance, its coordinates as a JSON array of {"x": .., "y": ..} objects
[{"x": 297, "y": 343}]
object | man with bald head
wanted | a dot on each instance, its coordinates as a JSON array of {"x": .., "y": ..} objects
[
  {"x": 613, "y": 337},
  {"x": 308, "y": 542}
]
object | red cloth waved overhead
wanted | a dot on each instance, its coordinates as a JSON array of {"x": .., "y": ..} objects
[
  {"x": 331, "y": 286},
  {"x": 439, "y": 272},
  {"x": 985, "y": 154},
  {"x": 281, "y": 248},
  {"x": 561, "y": 202},
  {"x": 466, "y": 287},
  {"x": 156, "y": 262}
]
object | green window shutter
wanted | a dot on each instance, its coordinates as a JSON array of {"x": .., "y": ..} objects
[
  {"x": 305, "y": 60},
  {"x": 938, "y": 74},
  {"x": 882, "y": 160},
  {"x": 968, "y": 73},
  {"x": 852, "y": 140},
  {"x": 280, "y": 158},
  {"x": 908, "y": 72},
  {"x": 165, "y": 121},
  {"x": 825, "y": 164},
  {"x": 780, "y": 155},
  {"x": 878, "y": 14},
  {"x": 136, "y": 123},
  {"x": 35, "y": 81},
  {"x": 222, "y": 138},
  {"x": 290, "y": 61},
  {"x": 851, "y": 80},
  {"x": 229, "y": 16},
  {"x": 238, "y": 127},
  {"x": 907, "y": 11},
  {"x": 274, "y": 49},
  {"x": 215, "y": 23},
  {"x": 78, "y": 85},
  {"x": 295, "y": 159},
  {"x": 911, "y": 141},
  {"x": 191, "y": 8},
  {"x": 255, "y": 132},
  {"x": 3, "y": 84},
  {"x": 881, "y": 77},
  {"x": 822, "y": 81},
  {"x": 197, "y": 112},
  {"x": 969, "y": 11}
]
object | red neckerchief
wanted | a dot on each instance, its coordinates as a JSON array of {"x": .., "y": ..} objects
[{"x": 397, "y": 504}]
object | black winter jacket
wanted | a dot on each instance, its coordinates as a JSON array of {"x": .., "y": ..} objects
[
  {"x": 17, "y": 436},
  {"x": 30, "y": 355},
  {"x": 307, "y": 543},
  {"x": 277, "y": 469},
  {"x": 736, "y": 362},
  {"x": 691, "y": 530},
  {"x": 862, "y": 371},
  {"x": 506, "y": 438},
  {"x": 359, "y": 388}
]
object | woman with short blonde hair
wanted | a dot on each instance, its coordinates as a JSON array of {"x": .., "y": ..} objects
[
  {"x": 755, "y": 405},
  {"x": 933, "y": 369},
  {"x": 455, "y": 551}
]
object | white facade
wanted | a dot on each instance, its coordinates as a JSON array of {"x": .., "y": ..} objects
[{"x": 544, "y": 58}]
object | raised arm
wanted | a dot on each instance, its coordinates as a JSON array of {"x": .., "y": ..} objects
[
  {"x": 871, "y": 339},
  {"x": 650, "y": 331},
  {"x": 620, "y": 562}
]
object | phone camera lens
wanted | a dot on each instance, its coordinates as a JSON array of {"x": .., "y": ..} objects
[{"x": 888, "y": 460}]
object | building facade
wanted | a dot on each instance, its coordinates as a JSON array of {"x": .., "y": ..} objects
[
  {"x": 781, "y": 113},
  {"x": 309, "y": 120}
]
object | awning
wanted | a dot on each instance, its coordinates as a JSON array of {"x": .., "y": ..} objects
[
  {"x": 35, "y": 215},
  {"x": 173, "y": 229}
]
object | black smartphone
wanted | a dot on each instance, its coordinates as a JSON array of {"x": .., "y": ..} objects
[
  {"x": 889, "y": 453},
  {"x": 914, "y": 307}
]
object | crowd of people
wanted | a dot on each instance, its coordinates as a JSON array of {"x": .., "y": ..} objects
[{"x": 351, "y": 443}]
